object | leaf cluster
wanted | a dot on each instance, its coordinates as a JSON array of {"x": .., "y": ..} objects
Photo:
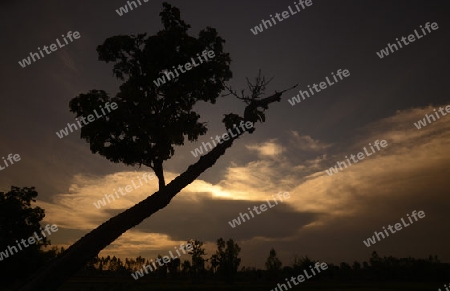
[{"x": 150, "y": 119}]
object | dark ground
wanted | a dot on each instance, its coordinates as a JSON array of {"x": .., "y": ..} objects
[{"x": 105, "y": 284}]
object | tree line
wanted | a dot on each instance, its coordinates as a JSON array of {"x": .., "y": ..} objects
[
  {"x": 19, "y": 219},
  {"x": 225, "y": 265}
]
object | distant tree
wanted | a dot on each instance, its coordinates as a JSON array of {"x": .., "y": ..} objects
[
  {"x": 433, "y": 259},
  {"x": 92, "y": 266},
  {"x": 301, "y": 262},
  {"x": 116, "y": 265},
  {"x": 19, "y": 220},
  {"x": 356, "y": 266},
  {"x": 174, "y": 267},
  {"x": 161, "y": 271},
  {"x": 345, "y": 270},
  {"x": 376, "y": 265},
  {"x": 273, "y": 264},
  {"x": 129, "y": 264},
  {"x": 356, "y": 270},
  {"x": 197, "y": 256},
  {"x": 227, "y": 254},
  {"x": 214, "y": 260},
  {"x": 186, "y": 267},
  {"x": 106, "y": 262},
  {"x": 295, "y": 262}
]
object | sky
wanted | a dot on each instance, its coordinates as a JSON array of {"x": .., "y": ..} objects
[{"x": 326, "y": 217}]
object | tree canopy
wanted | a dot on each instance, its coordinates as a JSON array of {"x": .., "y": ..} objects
[
  {"x": 19, "y": 220},
  {"x": 273, "y": 264},
  {"x": 150, "y": 119}
]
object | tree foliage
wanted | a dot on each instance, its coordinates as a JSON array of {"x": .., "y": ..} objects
[
  {"x": 197, "y": 256},
  {"x": 19, "y": 220},
  {"x": 273, "y": 264},
  {"x": 150, "y": 120},
  {"x": 228, "y": 258}
]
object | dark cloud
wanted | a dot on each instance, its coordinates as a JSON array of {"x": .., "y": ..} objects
[{"x": 209, "y": 219}]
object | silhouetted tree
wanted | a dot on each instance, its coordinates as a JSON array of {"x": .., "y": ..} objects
[
  {"x": 273, "y": 264},
  {"x": 393, "y": 269},
  {"x": 161, "y": 270},
  {"x": 356, "y": 270},
  {"x": 19, "y": 220},
  {"x": 345, "y": 270},
  {"x": 174, "y": 267},
  {"x": 186, "y": 267},
  {"x": 229, "y": 261},
  {"x": 214, "y": 260},
  {"x": 149, "y": 121},
  {"x": 197, "y": 256},
  {"x": 376, "y": 265},
  {"x": 301, "y": 263}
]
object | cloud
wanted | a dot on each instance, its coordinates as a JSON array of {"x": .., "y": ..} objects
[
  {"x": 202, "y": 211},
  {"x": 306, "y": 143},
  {"x": 270, "y": 148},
  {"x": 136, "y": 243},
  {"x": 76, "y": 209},
  {"x": 409, "y": 152},
  {"x": 410, "y": 174},
  {"x": 327, "y": 217},
  {"x": 208, "y": 219}
]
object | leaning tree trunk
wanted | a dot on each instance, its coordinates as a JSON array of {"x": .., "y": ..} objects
[{"x": 76, "y": 256}]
